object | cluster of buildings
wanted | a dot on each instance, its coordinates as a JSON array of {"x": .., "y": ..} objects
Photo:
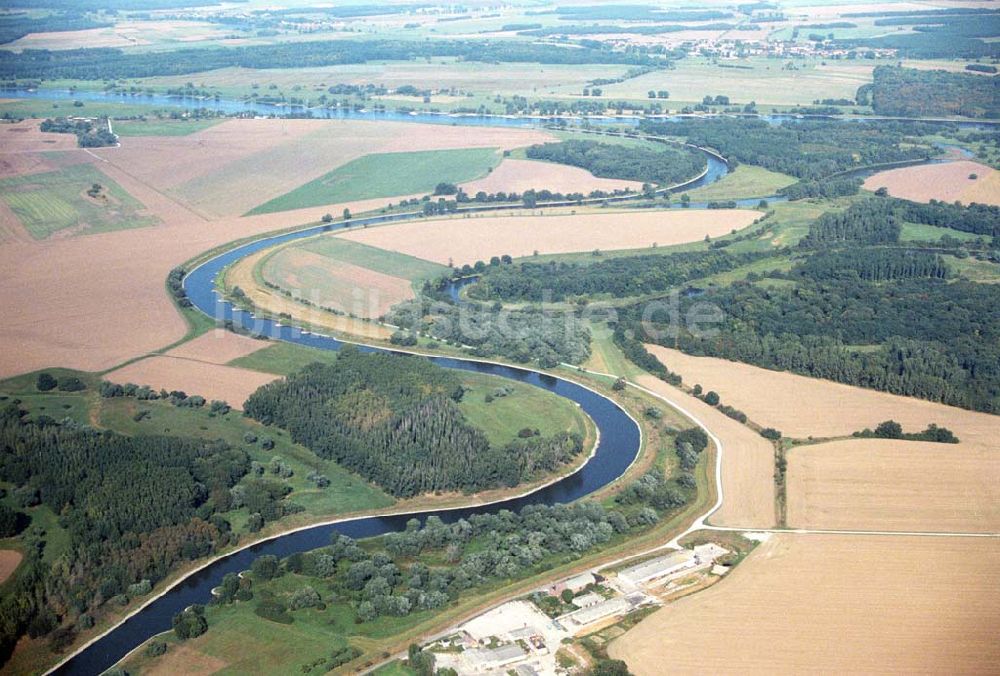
[{"x": 519, "y": 638}]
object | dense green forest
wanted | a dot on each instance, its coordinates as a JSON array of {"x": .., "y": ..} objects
[
  {"x": 133, "y": 507},
  {"x": 18, "y": 24},
  {"x": 922, "y": 334},
  {"x": 873, "y": 221},
  {"x": 620, "y": 277},
  {"x": 394, "y": 420},
  {"x": 808, "y": 149},
  {"x": 913, "y": 92},
  {"x": 430, "y": 566},
  {"x": 942, "y": 34},
  {"x": 662, "y": 167},
  {"x": 107, "y": 63},
  {"x": 978, "y": 219},
  {"x": 531, "y": 334},
  {"x": 873, "y": 265}
]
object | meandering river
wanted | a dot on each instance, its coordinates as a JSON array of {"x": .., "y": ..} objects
[{"x": 617, "y": 447}]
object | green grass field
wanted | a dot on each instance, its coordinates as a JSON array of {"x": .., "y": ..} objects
[
  {"x": 387, "y": 175},
  {"x": 920, "y": 232},
  {"x": 525, "y": 406},
  {"x": 164, "y": 127},
  {"x": 373, "y": 258},
  {"x": 744, "y": 182},
  {"x": 39, "y": 108},
  {"x": 974, "y": 270},
  {"x": 54, "y": 201},
  {"x": 283, "y": 358},
  {"x": 605, "y": 357}
]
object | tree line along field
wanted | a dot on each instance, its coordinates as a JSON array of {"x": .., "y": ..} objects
[
  {"x": 387, "y": 175},
  {"x": 59, "y": 201}
]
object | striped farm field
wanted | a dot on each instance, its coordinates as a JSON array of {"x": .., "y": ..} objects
[
  {"x": 373, "y": 258},
  {"x": 346, "y": 276},
  {"x": 58, "y": 202}
]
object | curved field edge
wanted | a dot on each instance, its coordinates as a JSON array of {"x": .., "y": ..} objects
[{"x": 386, "y": 175}]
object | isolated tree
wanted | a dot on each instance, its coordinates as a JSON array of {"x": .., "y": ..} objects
[
  {"x": 890, "y": 429},
  {"x": 45, "y": 382},
  {"x": 265, "y": 567}
]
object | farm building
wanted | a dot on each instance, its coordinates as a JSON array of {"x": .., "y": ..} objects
[
  {"x": 616, "y": 606},
  {"x": 493, "y": 658},
  {"x": 587, "y": 600},
  {"x": 672, "y": 564},
  {"x": 579, "y": 582},
  {"x": 658, "y": 567}
]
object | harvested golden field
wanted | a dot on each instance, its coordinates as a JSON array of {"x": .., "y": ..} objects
[
  {"x": 521, "y": 175},
  {"x": 984, "y": 190},
  {"x": 20, "y": 137},
  {"x": 326, "y": 282},
  {"x": 229, "y": 168},
  {"x": 9, "y": 561},
  {"x": 217, "y": 347},
  {"x": 883, "y": 484},
  {"x": 802, "y": 407},
  {"x": 833, "y": 603},
  {"x": 212, "y": 381},
  {"x": 947, "y": 181},
  {"x": 466, "y": 240},
  {"x": 747, "y": 463}
]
